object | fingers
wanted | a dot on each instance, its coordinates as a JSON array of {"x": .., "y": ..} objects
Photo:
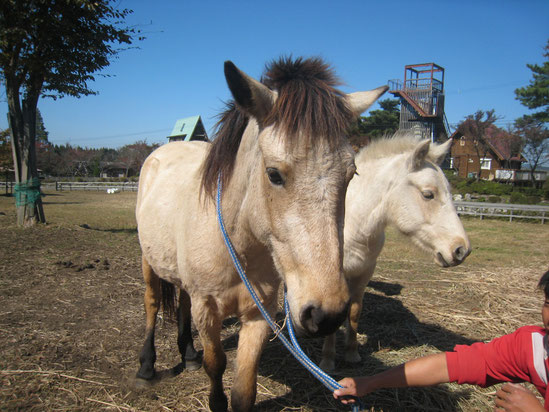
[{"x": 342, "y": 392}]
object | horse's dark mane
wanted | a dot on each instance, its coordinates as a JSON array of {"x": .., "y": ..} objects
[
  {"x": 308, "y": 105},
  {"x": 221, "y": 157}
]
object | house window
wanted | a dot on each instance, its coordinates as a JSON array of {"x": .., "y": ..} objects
[
  {"x": 462, "y": 141},
  {"x": 485, "y": 163},
  {"x": 182, "y": 127},
  {"x": 451, "y": 163}
]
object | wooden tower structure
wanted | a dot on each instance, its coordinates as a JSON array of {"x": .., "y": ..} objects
[{"x": 422, "y": 101}]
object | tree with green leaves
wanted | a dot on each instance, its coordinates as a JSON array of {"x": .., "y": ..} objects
[
  {"x": 532, "y": 128},
  {"x": 378, "y": 123},
  {"x": 536, "y": 94},
  {"x": 41, "y": 132},
  {"x": 381, "y": 122},
  {"x": 51, "y": 48}
]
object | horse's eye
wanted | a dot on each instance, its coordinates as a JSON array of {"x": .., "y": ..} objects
[
  {"x": 274, "y": 176},
  {"x": 427, "y": 194}
]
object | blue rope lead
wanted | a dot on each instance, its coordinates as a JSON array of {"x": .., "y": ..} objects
[{"x": 293, "y": 347}]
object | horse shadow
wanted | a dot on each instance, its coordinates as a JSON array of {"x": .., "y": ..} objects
[{"x": 389, "y": 326}]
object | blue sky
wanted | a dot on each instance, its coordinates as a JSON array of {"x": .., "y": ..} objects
[{"x": 484, "y": 46}]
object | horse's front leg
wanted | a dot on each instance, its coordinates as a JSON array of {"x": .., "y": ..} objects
[
  {"x": 251, "y": 340},
  {"x": 189, "y": 356},
  {"x": 351, "y": 343},
  {"x": 208, "y": 322},
  {"x": 328, "y": 353},
  {"x": 147, "y": 358}
]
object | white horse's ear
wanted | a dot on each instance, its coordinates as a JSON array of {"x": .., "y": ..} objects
[
  {"x": 360, "y": 101},
  {"x": 418, "y": 156},
  {"x": 437, "y": 153},
  {"x": 252, "y": 96}
]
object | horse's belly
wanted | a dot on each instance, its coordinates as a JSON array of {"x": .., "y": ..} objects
[{"x": 169, "y": 190}]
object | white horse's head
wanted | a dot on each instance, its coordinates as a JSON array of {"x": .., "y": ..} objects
[
  {"x": 302, "y": 163},
  {"x": 421, "y": 204}
]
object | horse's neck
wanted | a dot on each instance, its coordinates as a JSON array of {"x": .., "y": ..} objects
[{"x": 366, "y": 212}]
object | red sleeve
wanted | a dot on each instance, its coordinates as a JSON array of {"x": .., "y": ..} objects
[{"x": 504, "y": 359}]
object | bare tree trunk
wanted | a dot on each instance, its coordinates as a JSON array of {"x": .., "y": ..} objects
[{"x": 22, "y": 119}]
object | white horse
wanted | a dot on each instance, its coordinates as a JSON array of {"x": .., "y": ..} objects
[
  {"x": 399, "y": 182},
  {"x": 285, "y": 165}
]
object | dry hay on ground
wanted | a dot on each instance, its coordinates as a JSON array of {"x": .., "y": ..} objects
[{"x": 72, "y": 326}]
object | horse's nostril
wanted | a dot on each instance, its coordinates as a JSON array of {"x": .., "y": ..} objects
[
  {"x": 310, "y": 318},
  {"x": 460, "y": 253},
  {"x": 316, "y": 322}
]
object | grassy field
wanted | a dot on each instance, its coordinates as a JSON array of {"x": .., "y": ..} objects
[{"x": 72, "y": 318}]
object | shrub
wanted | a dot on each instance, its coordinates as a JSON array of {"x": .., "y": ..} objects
[
  {"x": 533, "y": 200},
  {"x": 545, "y": 190},
  {"x": 494, "y": 199},
  {"x": 517, "y": 197}
]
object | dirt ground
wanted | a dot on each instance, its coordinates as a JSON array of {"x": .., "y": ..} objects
[{"x": 72, "y": 318}]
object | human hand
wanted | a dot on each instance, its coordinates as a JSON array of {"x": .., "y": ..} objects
[
  {"x": 351, "y": 388},
  {"x": 516, "y": 398}
]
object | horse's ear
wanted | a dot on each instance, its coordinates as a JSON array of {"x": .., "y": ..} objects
[
  {"x": 252, "y": 96},
  {"x": 420, "y": 153},
  {"x": 438, "y": 152},
  {"x": 360, "y": 101}
]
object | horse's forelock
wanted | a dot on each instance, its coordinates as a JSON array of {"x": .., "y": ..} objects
[{"x": 308, "y": 103}]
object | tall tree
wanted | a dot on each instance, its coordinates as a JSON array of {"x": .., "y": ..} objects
[
  {"x": 474, "y": 129},
  {"x": 536, "y": 94},
  {"x": 381, "y": 122},
  {"x": 532, "y": 128},
  {"x": 41, "y": 132},
  {"x": 5, "y": 155},
  {"x": 50, "y": 48},
  {"x": 378, "y": 123}
]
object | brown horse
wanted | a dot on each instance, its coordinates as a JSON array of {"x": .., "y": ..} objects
[{"x": 285, "y": 166}]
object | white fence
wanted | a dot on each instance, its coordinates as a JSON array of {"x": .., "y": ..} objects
[
  {"x": 503, "y": 210},
  {"x": 69, "y": 186},
  {"x": 104, "y": 186}
]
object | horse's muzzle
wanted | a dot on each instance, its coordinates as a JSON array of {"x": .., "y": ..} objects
[{"x": 316, "y": 322}]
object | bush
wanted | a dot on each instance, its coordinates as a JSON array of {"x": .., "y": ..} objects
[
  {"x": 532, "y": 200},
  {"x": 494, "y": 199},
  {"x": 545, "y": 190},
  {"x": 530, "y": 191},
  {"x": 517, "y": 197}
]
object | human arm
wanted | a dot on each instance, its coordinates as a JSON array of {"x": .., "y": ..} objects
[
  {"x": 516, "y": 398},
  {"x": 426, "y": 371}
]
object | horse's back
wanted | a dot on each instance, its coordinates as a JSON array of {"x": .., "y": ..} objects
[
  {"x": 171, "y": 165},
  {"x": 169, "y": 190}
]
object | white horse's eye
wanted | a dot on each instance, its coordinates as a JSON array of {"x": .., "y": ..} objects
[
  {"x": 428, "y": 194},
  {"x": 274, "y": 176}
]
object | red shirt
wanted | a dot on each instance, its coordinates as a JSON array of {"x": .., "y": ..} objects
[{"x": 518, "y": 357}]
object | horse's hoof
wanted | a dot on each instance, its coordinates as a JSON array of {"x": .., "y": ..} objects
[
  {"x": 218, "y": 404},
  {"x": 193, "y": 364},
  {"x": 138, "y": 383}
]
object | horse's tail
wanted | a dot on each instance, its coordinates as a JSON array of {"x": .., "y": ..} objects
[{"x": 169, "y": 299}]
